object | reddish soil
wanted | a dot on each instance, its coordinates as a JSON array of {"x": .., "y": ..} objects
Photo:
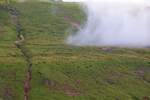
[
  {"x": 72, "y": 23},
  {"x": 65, "y": 87}
]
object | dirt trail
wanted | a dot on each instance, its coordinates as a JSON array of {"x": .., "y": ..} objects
[{"x": 20, "y": 44}]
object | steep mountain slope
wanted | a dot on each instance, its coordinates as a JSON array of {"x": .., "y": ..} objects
[{"x": 61, "y": 71}]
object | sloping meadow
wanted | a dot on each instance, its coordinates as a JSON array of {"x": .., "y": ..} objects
[{"x": 65, "y": 72}]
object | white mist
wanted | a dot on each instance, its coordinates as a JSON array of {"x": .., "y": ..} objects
[{"x": 123, "y": 23}]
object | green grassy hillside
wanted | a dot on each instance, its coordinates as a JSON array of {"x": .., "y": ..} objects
[{"x": 64, "y": 72}]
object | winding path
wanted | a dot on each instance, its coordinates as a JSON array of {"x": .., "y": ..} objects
[{"x": 20, "y": 44}]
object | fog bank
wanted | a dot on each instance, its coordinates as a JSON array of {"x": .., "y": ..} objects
[{"x": 116, "y": 23}]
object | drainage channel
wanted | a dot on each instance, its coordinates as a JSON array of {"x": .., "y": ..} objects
[{"x": 20, "y": 44}]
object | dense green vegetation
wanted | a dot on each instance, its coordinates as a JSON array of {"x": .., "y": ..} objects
[{"x": 64, "y": 72}]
